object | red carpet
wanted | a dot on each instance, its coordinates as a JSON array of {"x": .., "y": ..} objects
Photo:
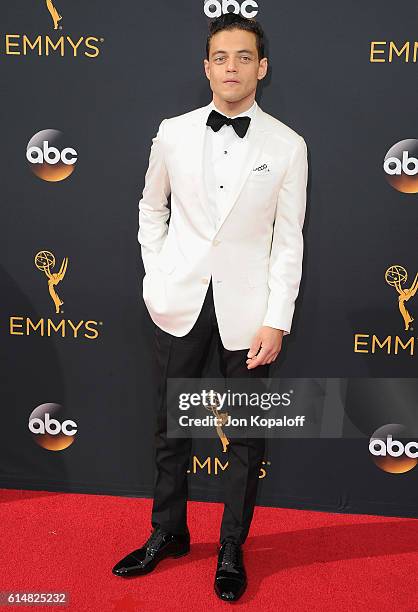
[{"x": 296, "y": 560}]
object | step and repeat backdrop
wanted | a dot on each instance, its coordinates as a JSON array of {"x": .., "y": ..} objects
[{"x": 84, "y": 86}]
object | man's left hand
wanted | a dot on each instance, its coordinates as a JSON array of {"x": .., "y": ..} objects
[{"x": 265, "y": 346}]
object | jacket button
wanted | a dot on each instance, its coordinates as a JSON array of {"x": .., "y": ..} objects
[{"x": 216, "y": 242}]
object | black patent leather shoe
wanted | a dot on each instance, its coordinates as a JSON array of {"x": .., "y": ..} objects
[
  {"x": 230, "y": 578},
  {"x": 159, "y": 545}
]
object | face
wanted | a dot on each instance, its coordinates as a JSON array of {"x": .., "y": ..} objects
[{"x": 233, "y": 68}]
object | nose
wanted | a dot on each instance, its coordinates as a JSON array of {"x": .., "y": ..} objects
[{"x": 231, "y": 65}]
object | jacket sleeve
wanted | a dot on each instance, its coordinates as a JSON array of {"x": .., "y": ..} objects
[
  {"x": 285, "y": 266},
  {"x": 153, "y": 209}
]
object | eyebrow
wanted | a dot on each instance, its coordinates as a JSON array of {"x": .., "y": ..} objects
[{"x": 240, "y": 51}]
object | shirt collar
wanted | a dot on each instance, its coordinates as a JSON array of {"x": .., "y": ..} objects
[{"x": 248, "y": 113}]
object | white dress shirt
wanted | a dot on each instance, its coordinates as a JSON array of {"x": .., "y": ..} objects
[{"x": 224, "y": 153}]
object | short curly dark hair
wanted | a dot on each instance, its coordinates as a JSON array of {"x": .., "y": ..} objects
[{"x": 233, "y": 21}]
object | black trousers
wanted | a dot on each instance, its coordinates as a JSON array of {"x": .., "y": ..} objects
[{"x": 185, "y": 357}]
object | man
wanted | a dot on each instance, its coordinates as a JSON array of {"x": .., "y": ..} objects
[{"x": 227, "y": 265}]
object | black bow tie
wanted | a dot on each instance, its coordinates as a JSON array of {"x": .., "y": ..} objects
[{"x": 240, "y": 124}]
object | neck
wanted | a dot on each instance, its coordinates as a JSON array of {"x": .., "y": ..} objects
[{"x": 233, "y": 108}]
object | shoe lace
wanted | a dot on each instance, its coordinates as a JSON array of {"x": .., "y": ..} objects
[
  {"x": 230, "y": 554},
  {"x": 155, "y": 539}
]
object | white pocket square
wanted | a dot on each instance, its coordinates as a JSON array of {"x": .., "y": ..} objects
[{"x": 260, "y": 169}]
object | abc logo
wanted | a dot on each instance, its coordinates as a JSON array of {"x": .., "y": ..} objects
[
  {"x": 401, "y": 166},
  {"x": 215, "y": 8},
  {"x": 48, "y": 156},
  {"x": 391, "y": 454},
  {"x": 50, "y": 429}
]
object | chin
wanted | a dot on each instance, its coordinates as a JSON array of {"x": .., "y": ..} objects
[{"x": 231, "y": 98}]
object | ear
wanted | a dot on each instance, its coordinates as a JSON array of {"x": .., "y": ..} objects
[
  {"x": 262, "y": 68},
  {"x": 207, "y": 68}
]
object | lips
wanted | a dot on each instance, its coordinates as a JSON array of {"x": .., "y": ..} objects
[{"x": 231, "y": 81}]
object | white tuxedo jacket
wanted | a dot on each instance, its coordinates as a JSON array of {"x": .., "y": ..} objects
[{"x": 254, "y": 255}]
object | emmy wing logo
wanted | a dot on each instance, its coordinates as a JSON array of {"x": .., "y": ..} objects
[
  {"x": 368, "y": 341},
  {"x": 56, "y": 17},
  {"x": 45, "y": 261},
  {"x": 21, "y": 324},
  {"x": 213, "y": 466},
  {"x": 221, "y": 419},
  {"x": 52, "y": 42},
  {"x": 395, "y": 276}
]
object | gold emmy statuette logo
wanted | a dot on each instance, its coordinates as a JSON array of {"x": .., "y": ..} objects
[
  {"x": 44, "y": 261},
  {"x": 53, "y": 42},
  {"x": 221, "y": 419},
  {"x": 395, "y": 276},
  {"x": 56, "y": 17}
]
